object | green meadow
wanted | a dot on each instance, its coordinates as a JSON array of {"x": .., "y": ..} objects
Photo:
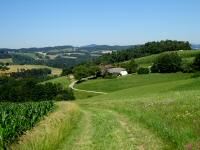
[
  {"x": 156, "y": 111},
  {"x": 187, "y": 56}
]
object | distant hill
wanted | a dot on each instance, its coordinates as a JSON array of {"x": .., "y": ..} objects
[
  {"x": 34, "y": 49},
  {"x": 195, "y": 46},
  {"x": 94, "y": 47}
]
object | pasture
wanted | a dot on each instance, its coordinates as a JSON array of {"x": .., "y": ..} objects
[{"x": 156, "y": 111}]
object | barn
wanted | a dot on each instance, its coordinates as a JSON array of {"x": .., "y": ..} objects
[{"x": 117, "y": 71}]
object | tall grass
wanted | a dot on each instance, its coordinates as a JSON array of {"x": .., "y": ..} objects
[{"x": 50, "y": 132}]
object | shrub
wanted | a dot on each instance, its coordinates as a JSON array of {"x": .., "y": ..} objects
[
  {"x": 143, "y": 71},
  {"x": 66, "y": 71},
  {"x": 167, "y": 63},
  {"x": 131, "y": 66},
  {"x": 109, "y": 76},
  {"x": 66, "y": 95},
  {"x": 196, "y": 63},
  {"x": 196, "y": 75},
  {"x": 187, "y": 68}
]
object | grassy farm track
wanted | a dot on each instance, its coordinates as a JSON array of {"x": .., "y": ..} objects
[{"x": 101, "y": 129}]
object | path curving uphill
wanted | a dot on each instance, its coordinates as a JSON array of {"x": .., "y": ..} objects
[{"x": 71, "y": 86}]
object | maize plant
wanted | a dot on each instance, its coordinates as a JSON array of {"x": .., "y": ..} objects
[{"x": 16, "y": 118}]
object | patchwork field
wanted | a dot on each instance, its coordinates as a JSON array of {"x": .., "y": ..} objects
[
  {"x": 156, "y": 111},
  {"x": 15, "y": 68},
  {"x": 7, "y": 60}
]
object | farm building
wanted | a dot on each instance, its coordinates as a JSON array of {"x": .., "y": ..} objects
[{"x": 118, "y": 71}]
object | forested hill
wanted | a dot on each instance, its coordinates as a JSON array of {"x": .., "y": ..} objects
[
  {"x": 94, "y": 47},
  {"x": 34, "y": 49},
  {"x": 144, "y": 50}
]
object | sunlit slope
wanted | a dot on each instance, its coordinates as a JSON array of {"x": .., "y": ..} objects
[
  {"x": 168, "y": 109},
  {"x": 110, "y": 85}
]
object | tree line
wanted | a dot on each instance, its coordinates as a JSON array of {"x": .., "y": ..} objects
[
  {"x": 23, "y": 90},
  {"x": 144, "y": 50},
  {"x": 37, "y": 73}
]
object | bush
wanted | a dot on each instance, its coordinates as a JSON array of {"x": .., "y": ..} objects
[
  {"x": 187, "y": 68},
  {"x": 66, "y": 71},
  {"x": 143, "y": 71},
  {"x": 196, "y": 63},
  {"x": 131, "y": 66},
  {"x": 167, "y": 63},
  {"x": 108, "y": 75},
  {"x": 66, "y": 95},
  {"x": 196, "y": 75}
]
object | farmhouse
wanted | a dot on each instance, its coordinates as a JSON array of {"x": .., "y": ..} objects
[{"x": 118, "y": 71}]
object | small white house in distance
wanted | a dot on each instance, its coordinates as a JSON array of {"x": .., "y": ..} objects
[{"x": 118, "y": 71}]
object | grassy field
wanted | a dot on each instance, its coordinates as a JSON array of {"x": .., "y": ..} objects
[
  {"x": 15, "y": 68},
  {"x": 64, "y": 81},
  {"x": 169, "y": 109},
  {"x": 105, "y": 85},
  {"x": 156, "y": 111},
  {"x": 7, "y": 60},
  {"x": 186, "y": 55}
]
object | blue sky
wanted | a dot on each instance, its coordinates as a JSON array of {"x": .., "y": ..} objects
[{"x": 39, "y": 23}]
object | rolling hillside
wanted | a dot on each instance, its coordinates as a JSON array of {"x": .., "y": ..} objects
[
  {"x": 156, "y": 111},
  {"x": 187, "y": 56}
]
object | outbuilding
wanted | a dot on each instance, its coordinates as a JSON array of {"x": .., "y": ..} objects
[{"x": 117, "y": 71}]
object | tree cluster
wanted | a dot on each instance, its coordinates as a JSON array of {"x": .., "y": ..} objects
[
  {"x": 4, "y": 67},
  {"x": 41, "y": 72},
  {"x": 4, "y": 54},
  {"x": 15, "y": 90},
  {"x": 167, "y": 63},
  {"x": 83, "y": 71}
]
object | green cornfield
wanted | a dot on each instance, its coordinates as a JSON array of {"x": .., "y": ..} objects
[{"x": 16, "y": 118}]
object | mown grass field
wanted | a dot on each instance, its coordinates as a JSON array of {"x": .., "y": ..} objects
[
  {"x": 156, "y": 111},
  {"x": 15, "y": 68}
]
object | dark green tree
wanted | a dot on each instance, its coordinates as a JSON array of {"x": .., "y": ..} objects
[
  {"x": 167, "y": 63},
  {"x": 196, "y": 63}
]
